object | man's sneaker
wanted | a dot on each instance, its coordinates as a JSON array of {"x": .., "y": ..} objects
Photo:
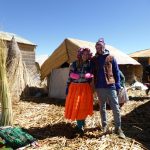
[
  {"x": 105, "y": 129},
  {"x": 120, "y": 133}
]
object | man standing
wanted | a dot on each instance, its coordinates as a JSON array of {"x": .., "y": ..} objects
[{"x": 107, "y": 84}]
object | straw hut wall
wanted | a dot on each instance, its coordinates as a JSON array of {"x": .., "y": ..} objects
[
  {"x": 66, "y": 53},
  {"x": 132, "y": 72},
  {"x": 17, "y": 74}
]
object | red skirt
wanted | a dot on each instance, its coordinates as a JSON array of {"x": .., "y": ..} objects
[{"x": 79, "y": 101}]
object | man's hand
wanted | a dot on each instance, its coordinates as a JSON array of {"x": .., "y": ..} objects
[
  {"x": 119, "y": 91},
  {"x": 92, "y": 85}
]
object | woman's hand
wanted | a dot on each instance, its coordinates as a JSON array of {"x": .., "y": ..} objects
[
  {"x": 74, "y": 76},
  {"x": 88, "y": 75}
]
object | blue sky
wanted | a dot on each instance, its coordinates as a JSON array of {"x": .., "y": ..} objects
[{"x": 124, "y": 24}]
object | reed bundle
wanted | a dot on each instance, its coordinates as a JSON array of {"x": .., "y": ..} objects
[{"x": 6, "y": 104}]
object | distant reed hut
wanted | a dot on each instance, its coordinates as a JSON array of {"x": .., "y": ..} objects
[
  {"x": 22, "y": 71},
  {"x": 26, "y": 47},
  {"x": 143, "y": 57}
]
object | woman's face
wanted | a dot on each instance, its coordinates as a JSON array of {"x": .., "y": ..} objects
[{"x": 85, "y": 55}]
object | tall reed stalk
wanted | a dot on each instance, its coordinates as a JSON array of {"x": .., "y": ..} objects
[{"x": 5, "y": 99}]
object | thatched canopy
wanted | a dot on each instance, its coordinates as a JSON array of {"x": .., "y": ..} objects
[
  {"x": 141, "y": 53},
  {"x": 67, "y": 52}
]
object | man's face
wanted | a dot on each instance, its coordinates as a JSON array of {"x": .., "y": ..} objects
[{"x": 99, "y": 48}]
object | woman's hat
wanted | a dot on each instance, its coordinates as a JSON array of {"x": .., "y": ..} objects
[{"x": 80, "y": 53}]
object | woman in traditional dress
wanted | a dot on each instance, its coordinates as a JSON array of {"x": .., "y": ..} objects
[{"x": 79, "y": 100}]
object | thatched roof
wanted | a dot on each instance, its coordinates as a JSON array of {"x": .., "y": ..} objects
[
  {"x": 8, "y": 36},
  {"x": 67, "y": 52},
  {"x": 142, "y": 53}
]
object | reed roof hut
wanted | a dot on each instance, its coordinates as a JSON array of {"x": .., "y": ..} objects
[
  {"x": 143, "y": 57},
  {"x": 55, "y": 68},
  {"x": 26, "y": 47},
  {"x": 22, "y": 71}
]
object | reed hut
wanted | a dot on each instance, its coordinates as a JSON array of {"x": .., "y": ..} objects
[
  {"x": 143, "y": 57},
  {"x": 26, "y": 47},
  {"x": 22, "y": 71},
  {"x": 55, "y": 68}
]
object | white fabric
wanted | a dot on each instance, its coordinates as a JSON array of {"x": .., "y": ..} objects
[
  {"x": 139, "y": 86},
  {"x": 123, "y": 96},
  {"x": 57, "y": 83}
]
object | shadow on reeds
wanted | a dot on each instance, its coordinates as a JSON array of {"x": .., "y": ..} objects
[
  {"x": 46, "y": 100},
  {"x": 63, "y": 129},
  {"x": 136, "y": 124},
  {"x": 59, "y": 129},
  {"x": 138, "y": 98}
]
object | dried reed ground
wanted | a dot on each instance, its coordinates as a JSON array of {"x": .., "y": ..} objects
[{"x": 44, "y": 119}]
